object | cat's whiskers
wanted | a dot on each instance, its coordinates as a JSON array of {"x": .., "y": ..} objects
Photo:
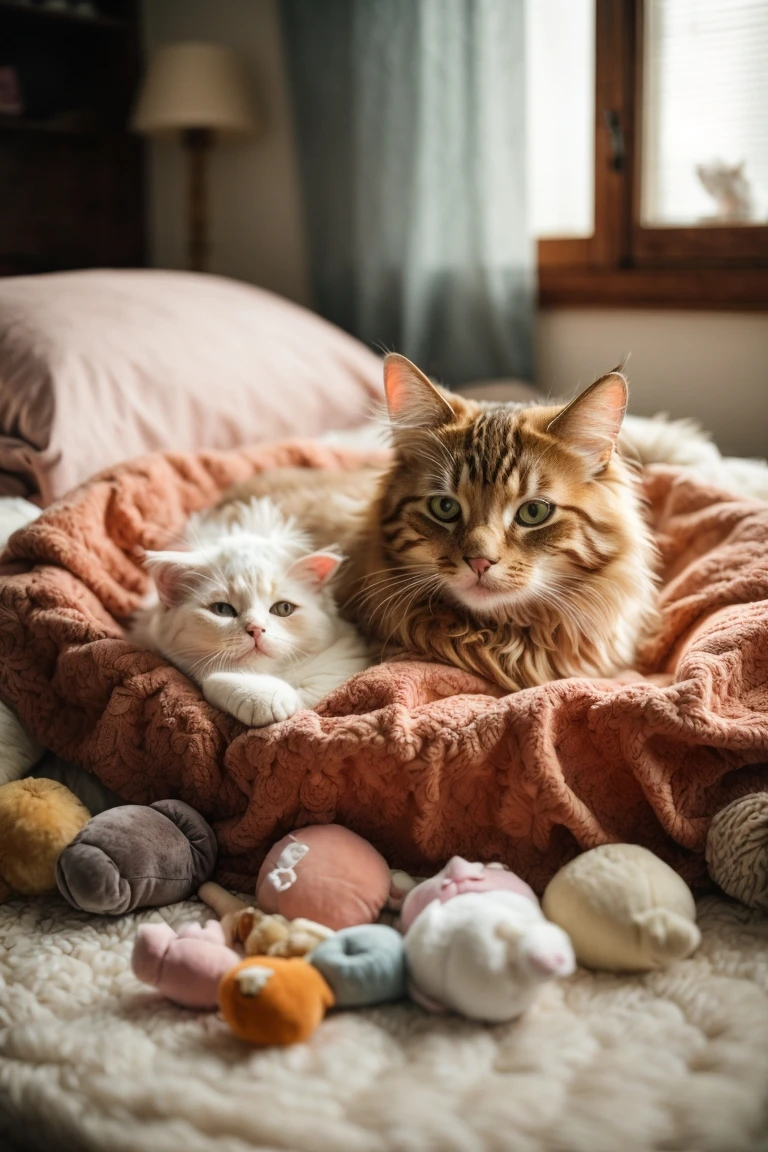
[
  {"x": 409, "y": 593},
  {"x": 385, "y": 585},
  {"x": 380, "y": 608},
  {"x": 413, "y": 581},
  {"x": 431, "y": 584},
  {"x": 374, "y": 587},
  {"x": 387, "y": 572}
]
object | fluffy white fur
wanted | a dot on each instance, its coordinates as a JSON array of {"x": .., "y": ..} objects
[{"x": 248, "y": 614}]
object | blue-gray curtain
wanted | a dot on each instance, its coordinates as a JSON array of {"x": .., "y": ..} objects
[{"x": 410, "y": 122}]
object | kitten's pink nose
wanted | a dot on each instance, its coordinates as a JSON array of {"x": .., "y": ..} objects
[
  {"x": 255, "y": 630},
  {"x": 479, "y": 564}
]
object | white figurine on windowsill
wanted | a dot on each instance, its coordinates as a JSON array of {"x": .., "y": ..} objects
[{"x": 731, "y": 190}]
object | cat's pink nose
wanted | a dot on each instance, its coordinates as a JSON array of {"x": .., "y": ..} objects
[
  {"x": 255, "y": 630},
  {"x": 479, "y": 564}
]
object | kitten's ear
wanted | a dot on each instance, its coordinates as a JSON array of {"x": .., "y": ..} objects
[
  {"x": 315, "y": 570},
  {"x": 412, "y": 400},
  {"x": 591, "y": 423},
  {"x": 176, "y": 574}
]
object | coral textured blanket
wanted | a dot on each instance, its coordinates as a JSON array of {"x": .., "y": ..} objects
[{"x": 423, "y": 760}]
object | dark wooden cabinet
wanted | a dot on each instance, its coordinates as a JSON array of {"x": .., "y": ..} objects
[{"x": 71, "y": 174}]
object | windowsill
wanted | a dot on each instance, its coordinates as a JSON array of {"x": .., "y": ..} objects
[{"x": 739, "y": 289}]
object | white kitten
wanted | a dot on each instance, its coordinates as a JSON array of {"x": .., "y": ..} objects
[{"x": 247, "y": 614}]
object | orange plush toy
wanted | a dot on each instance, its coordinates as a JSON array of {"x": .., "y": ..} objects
[{"x": 272, "y": 1000}]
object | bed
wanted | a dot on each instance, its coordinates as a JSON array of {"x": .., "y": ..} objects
[{"x": 90, "y": 1060}]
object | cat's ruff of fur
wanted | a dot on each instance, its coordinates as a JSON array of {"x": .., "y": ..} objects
[{"x": 91, "y": 1059}]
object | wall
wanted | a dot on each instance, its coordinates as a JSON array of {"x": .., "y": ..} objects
[
  {"x": 255, "y": 209},
  {"x": 709, "y": 365},
  {"x": 712, "y": 366}
]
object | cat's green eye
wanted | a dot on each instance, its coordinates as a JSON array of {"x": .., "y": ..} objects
[
  {"x": 534, "y": 512},
  {"x": 283, "y": 608},
  {"x": 221, "y": 608},
  {"x": 444, "y": 508}
]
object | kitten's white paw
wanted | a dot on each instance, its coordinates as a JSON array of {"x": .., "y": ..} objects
[
  {"x": 261, "y": 708},
  {"x": 253, "y": 700}
]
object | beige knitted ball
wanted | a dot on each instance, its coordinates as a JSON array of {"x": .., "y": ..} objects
[{"x": 737, "y": 850}]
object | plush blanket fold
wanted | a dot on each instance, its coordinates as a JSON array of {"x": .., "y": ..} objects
[{"x": 424, "y": 760}]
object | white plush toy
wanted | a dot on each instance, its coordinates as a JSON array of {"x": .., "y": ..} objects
[{"x": 476, "y": 943}]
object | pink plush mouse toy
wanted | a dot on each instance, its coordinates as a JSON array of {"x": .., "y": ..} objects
[
  {"x": 457, "y": 879},
  {"x": 476, "y": 942},
  {"x": 185, "y": 966}
]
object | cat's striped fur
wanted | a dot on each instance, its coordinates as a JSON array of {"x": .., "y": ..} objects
[{"x": 567, "y": 598}]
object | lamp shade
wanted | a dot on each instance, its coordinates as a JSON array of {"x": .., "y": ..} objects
[{"x": 194, "y": 85}]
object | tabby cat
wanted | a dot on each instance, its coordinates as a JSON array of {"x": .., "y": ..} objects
[{"x": 507, "y": 540}]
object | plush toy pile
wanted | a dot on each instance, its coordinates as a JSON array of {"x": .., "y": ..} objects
[{"x": 473, "y": 938}]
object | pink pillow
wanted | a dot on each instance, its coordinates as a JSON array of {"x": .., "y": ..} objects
[{"x": 100, "y": 366}]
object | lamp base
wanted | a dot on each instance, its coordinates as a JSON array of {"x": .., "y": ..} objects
[{"x": 197, "y": 143}]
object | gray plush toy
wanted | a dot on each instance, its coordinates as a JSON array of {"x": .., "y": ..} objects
[{"x": 134, "y": 856}]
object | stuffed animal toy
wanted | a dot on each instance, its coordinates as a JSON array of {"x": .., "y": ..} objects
[
  {"x": 38, "y": 818},
  {"x": 323, "y": 873},
  {"x": 272, "y": 1000},
  {"x": 137, "y": 857},
  {"x": 363, "y": 965},
  {"x": 186, "y": 966},
  {"x": 623, "y": 908},
  {"x": 476, "y": 943},
  {"x": 458, "y": 878},
  {"x": 262, "y": 934},
  {"x": 87, "y": 787}
]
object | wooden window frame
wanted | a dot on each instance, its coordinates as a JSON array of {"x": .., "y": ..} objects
[{"x": 624, "y": 263}]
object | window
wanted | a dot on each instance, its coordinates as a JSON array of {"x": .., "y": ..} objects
[
  {"x": 650, "y": 185},
  {"x": 560, "y": 92}
]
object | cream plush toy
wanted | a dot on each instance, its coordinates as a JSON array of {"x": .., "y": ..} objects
[{"x": 624, "y": 909}]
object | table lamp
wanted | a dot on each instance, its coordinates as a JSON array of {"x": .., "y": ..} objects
[{"x": 199, "y": 91}]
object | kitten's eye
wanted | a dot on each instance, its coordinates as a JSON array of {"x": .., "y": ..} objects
[
  {"x": 444, "y": 508},
  {"x": 283, "y": 608},
  {"x": 534, "y": 512},
  {"x": 221, "y": 608}
]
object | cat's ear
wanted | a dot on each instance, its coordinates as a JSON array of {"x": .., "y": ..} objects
[
  {"x": 176, "y": 575},
  {"x": 316, "y": 569},
  {"x": 591, "y": 423},
  {"x": 412, "y": 400}
]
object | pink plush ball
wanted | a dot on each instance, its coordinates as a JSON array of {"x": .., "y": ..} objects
[
  {"x": 459, "y": 877},
  {"x": 324, "y": 873}
]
